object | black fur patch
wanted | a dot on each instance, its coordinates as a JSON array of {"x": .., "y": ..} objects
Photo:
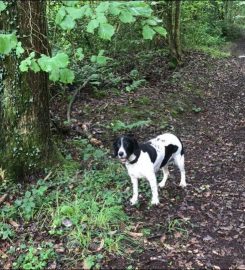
[
  {"x": 150, "y": 150},
  {"x": 169, "y": 151},
  {"x": 182, "y": 150}
]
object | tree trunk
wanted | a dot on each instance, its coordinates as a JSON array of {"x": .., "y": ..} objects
[
  {"x": 173, "y": 28},
  {"x": 25, "y": 125},
  {"x": 177, "y": 31}
]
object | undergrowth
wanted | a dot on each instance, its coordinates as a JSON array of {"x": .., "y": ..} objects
[{"x": 83, "y": 208}]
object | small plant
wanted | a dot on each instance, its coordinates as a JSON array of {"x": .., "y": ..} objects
[
  {"x": 35, "y": 257},
  {"x": 32, "y": 199},
  {"x": 137, "y": 81},
  {"x": 92, "y": 261},
  {"x": 143, "y": 101},
  {"x": 119, "y": 125},
  {"x": 196, "y": 109},
  {"x": 178, "y": 225},
  {"x": 6, "y": 233}
]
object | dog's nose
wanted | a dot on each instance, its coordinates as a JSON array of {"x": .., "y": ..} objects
[{"x": 120, "y": 154}]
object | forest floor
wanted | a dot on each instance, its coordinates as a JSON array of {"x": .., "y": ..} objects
[
  {"x": 201, "y": 226},
  {"x": 204, "y": 103}
]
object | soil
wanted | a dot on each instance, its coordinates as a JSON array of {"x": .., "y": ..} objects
[{"x": 203, "y": 102}]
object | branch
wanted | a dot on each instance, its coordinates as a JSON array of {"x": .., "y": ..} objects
[{"x": 74, "y": 97}]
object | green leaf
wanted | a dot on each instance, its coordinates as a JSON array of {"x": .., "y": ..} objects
[
  {"x": 7, "y": 43},
  {"x": 66, "y": 75},
  {"x": 60, "y": 15},
  {"x": 160, "y": 30},
  {"x": 148, "y": 32},
  {"x": 19, "y": 49},
  {"x": 140, "y": 8},
  {"x": 86, "y": 9},
  {"x": 24, "y": 65},
  {"x": 2, "y": 6},
  {"x": 92, "y": 25},
  {"x": 79, "y": 54},
  {"x": 70, "y": 3},
  {"x": 101, "y": 18},
  {"x": 60, "y": 60},
  {"x": 102, "y": 7},
  {"x": 93, "y": 58},
  {"x": 126, "y": 17},
  {"x": 34, "y": 66},
  {"x": 68, "y": 23},
  {"x": 151, "y": 22},
  {"x": 106, "y": 31},
  {"x": 114, "y": 8},
  {"x": 75, "y": 13},
  {"x": 101, "y": 60},
  {"x": 45, "y": 63},
  {"x": 54, "y": 75}
]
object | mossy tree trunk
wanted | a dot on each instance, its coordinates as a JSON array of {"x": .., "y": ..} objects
[
  {"x": 24, "y": 98},
  {"x": 173, "y": 9}
]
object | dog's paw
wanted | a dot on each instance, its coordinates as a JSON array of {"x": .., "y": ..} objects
[
  {"x": 183, "y": 184},
  {"x": 155, "y": 201},
  {"x": 162, "y": 184},
  {"x": 133, "y": 201}
]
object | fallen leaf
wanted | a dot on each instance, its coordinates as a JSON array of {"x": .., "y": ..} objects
[
  {"x": 135, "y": 234},
  {"x": 2, "y": 198},
  {"x": 95, "y": 142},
  {"x": 207, "y": 238},
  {"x": 163, "y": 238},
  {"x": 177, "y": 234},
  {"x": 14, "y": 224}
]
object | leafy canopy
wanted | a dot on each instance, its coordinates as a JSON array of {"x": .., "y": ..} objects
[{"x": 100, "y": 20}]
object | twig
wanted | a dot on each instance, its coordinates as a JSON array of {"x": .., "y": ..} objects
[
  {"x": 2, "y": 199},
  {"x": 74, "y": 97}
]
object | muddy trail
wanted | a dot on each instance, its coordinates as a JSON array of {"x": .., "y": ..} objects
[{"x": 202, "y": 226}]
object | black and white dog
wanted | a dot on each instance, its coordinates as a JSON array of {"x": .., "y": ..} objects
[{"x": 144, "y": 160}]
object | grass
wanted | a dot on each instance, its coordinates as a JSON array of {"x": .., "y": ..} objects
[{"x": 83, "y": 208}]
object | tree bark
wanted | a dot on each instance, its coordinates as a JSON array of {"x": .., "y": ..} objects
[
  {"x": 25, "y": 124},
  {"x": 173, "y": 26}
]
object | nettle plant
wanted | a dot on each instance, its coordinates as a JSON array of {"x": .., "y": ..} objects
[{"x": 99, "y": 19}]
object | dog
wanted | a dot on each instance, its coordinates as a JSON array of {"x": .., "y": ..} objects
[{"x": 145, "y": 160}]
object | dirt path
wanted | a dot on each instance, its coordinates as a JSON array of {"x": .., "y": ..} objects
[{"x": 203, "y": 226}]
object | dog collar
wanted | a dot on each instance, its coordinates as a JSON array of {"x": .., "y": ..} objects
[{"x": 134, "y": 160}]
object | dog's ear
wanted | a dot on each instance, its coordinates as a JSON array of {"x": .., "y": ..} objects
[
  {"x": 115, "y": 148},
  {"x": 135, "y": 143}
]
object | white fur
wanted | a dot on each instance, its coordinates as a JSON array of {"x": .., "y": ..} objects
[{"x": 144, "y": 168}]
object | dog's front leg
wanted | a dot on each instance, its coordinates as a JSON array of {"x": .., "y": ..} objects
[
  {"x": 134, "y": 199},
  {"x": 153, "y": 183}
]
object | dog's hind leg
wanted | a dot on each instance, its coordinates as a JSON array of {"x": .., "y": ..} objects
[
  {"x": 165, "y": 176},
  {"x": 180, "y": 162}
]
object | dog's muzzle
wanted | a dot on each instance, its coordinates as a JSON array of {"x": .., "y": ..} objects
[{"x": 123, "y": 160}]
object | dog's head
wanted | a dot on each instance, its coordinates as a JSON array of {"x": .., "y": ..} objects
[{"x": 124, "y": 147}]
